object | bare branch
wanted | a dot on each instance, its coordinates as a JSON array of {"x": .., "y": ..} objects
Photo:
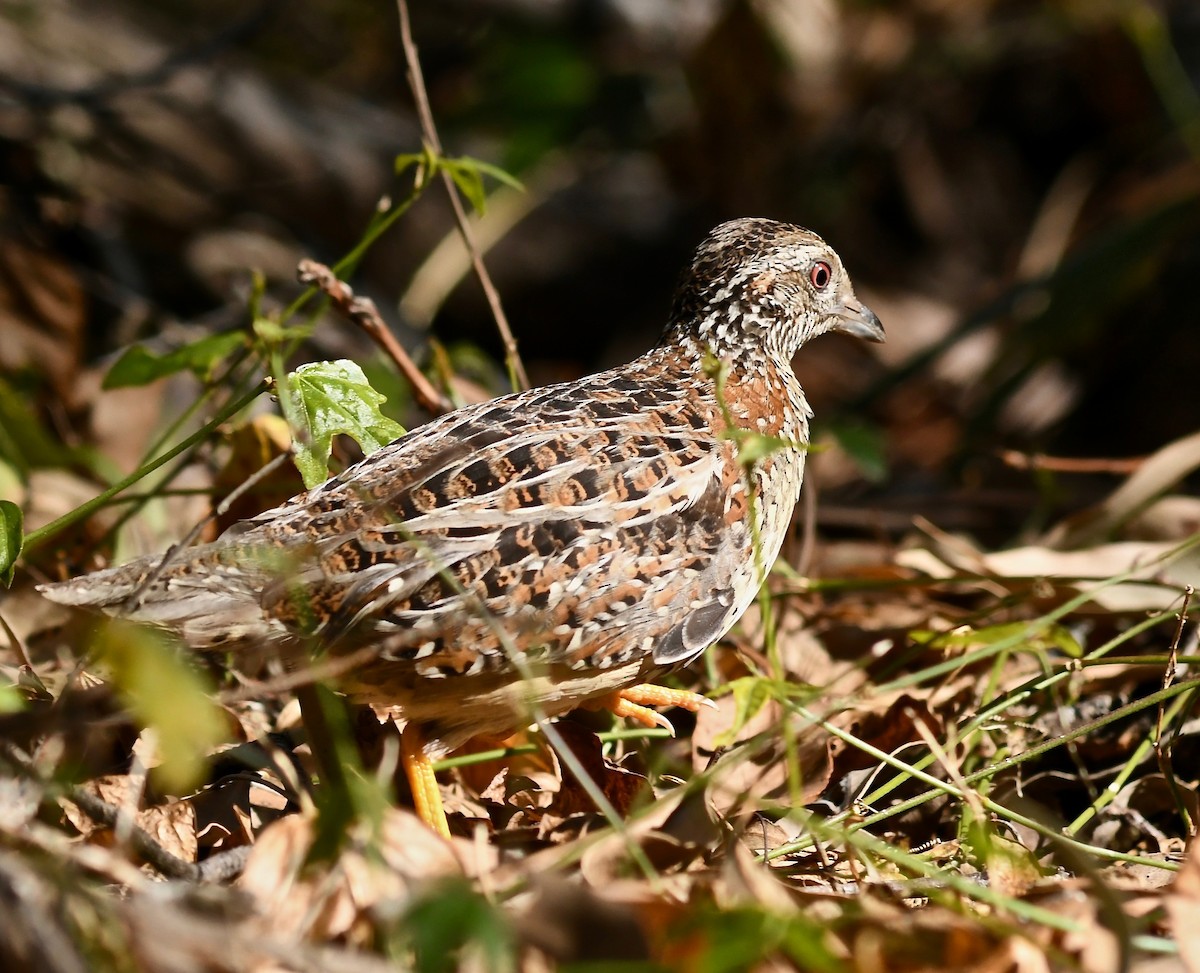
[
  {"x": 416, "y": 82},
  {"x": 362, "y": 312}
]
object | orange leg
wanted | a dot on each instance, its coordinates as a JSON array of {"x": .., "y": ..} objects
[
  {"x": 427, "y": 799},
  {"x": 634, "y": 703}
]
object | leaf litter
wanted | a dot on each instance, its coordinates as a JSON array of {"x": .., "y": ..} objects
[
  {"x": 955, "y": 758},
  {"x": 983, "y": 724},
  {"x": 952, "y": 758}
]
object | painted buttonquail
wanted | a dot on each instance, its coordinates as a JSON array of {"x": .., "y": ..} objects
[{"x": 548, "y": 549}]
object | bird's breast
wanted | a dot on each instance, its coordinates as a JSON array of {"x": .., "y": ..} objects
[{"x": 767, "y": 401}]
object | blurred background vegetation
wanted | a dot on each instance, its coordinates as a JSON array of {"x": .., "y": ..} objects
[{"x": 1013, "y": 186}]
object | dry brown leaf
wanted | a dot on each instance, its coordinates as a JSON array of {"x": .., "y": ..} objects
[
  {"x": 232, "y": 811},
  {"x": 1144, "y": 813},
  {"x": 1011, "y": 869},
  {"x": 747, "y": 775},
  {"x": 1155, "y": 476},
  {"x": 804, "y": 656},
  {"x": 272, "y": 873},
  {"x": 743, "y": 881},
  {"x": 536, "y": 763},
  {"x": 574, "y": 923},
  {"x": 1169, "y": 518},
  {"x": 114, "y": 790},
  {"x": 173, "y": 826},
  {"x": 653, "y": 828},
  {"x": 931, "y": 938},
  {"x": 1142, "y": 559},
  {"x": 338, "y": 901},
  {"x": 621, "y": 787},
  {"x": 887, "y": 729},
  {"x": 1015, "y": 955}
]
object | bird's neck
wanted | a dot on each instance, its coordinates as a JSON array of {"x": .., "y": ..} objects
[
  {"x": 756, "y": 389},
  {"x": 732, "y": 328}
]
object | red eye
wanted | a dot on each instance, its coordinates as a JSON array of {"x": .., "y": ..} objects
[{"x": 820, "y": 275}]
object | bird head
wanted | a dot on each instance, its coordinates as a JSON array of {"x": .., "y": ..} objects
[{"x": 761, "y": 284}]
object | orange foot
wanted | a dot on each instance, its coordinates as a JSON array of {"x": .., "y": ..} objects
[
  {"x": 427, "y": 799},
  {"x": 634, "y": 703}
]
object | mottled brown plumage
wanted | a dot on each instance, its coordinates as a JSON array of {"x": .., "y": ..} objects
[{"x": 547, "y": 548}]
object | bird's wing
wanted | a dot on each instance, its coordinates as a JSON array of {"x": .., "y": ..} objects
[
  {"x": 586, "y": 528},
  {"x": 592, "y": 522}
]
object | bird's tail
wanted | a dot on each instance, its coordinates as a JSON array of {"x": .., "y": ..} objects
[{"x": 206, "y": 597}]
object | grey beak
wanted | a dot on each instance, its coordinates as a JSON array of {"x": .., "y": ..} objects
[{"x": 859, "y": 320}]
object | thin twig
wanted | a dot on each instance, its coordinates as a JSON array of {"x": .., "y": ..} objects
[
  {"x": 1162, "y": 751},
  {"x": 1069, "y": 464},
  {"x": 362, "y": 312},
  {"x": 106, "y": 814},
  {"x": 224, "y": 865},
  {"x": 416, "y": 82}
]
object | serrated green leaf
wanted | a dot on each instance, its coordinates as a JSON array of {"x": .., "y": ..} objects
[
  {"x": 12, "y": 537},
  {"x": 326, "y": 399},
  {"x": 137, "y": 366},
  {"x": 164, "y": 693}
]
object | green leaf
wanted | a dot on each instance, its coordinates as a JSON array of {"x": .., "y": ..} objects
[
  {"x": 470, "y": 184},
  {"x": 325, "y": 399},
  {"x": 11, "y": 539},
  {"x": 466, "y": 172},
  {"x": 750, "y": 694},
  {"x": 165, "y": 693},
  {"x": 487, "y": 169},
  {"x": 451, "y": 919},
  {"x": 270, "y": 332},
  {"x": 25, "y": 442},
  {"x": 11, "y": 700},
  {"x": 425, "y": 162},
  {"x": 754, "y": 446},
  {"x": 1039, "y": 640},
  {"x": 137, "y": 366}
]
